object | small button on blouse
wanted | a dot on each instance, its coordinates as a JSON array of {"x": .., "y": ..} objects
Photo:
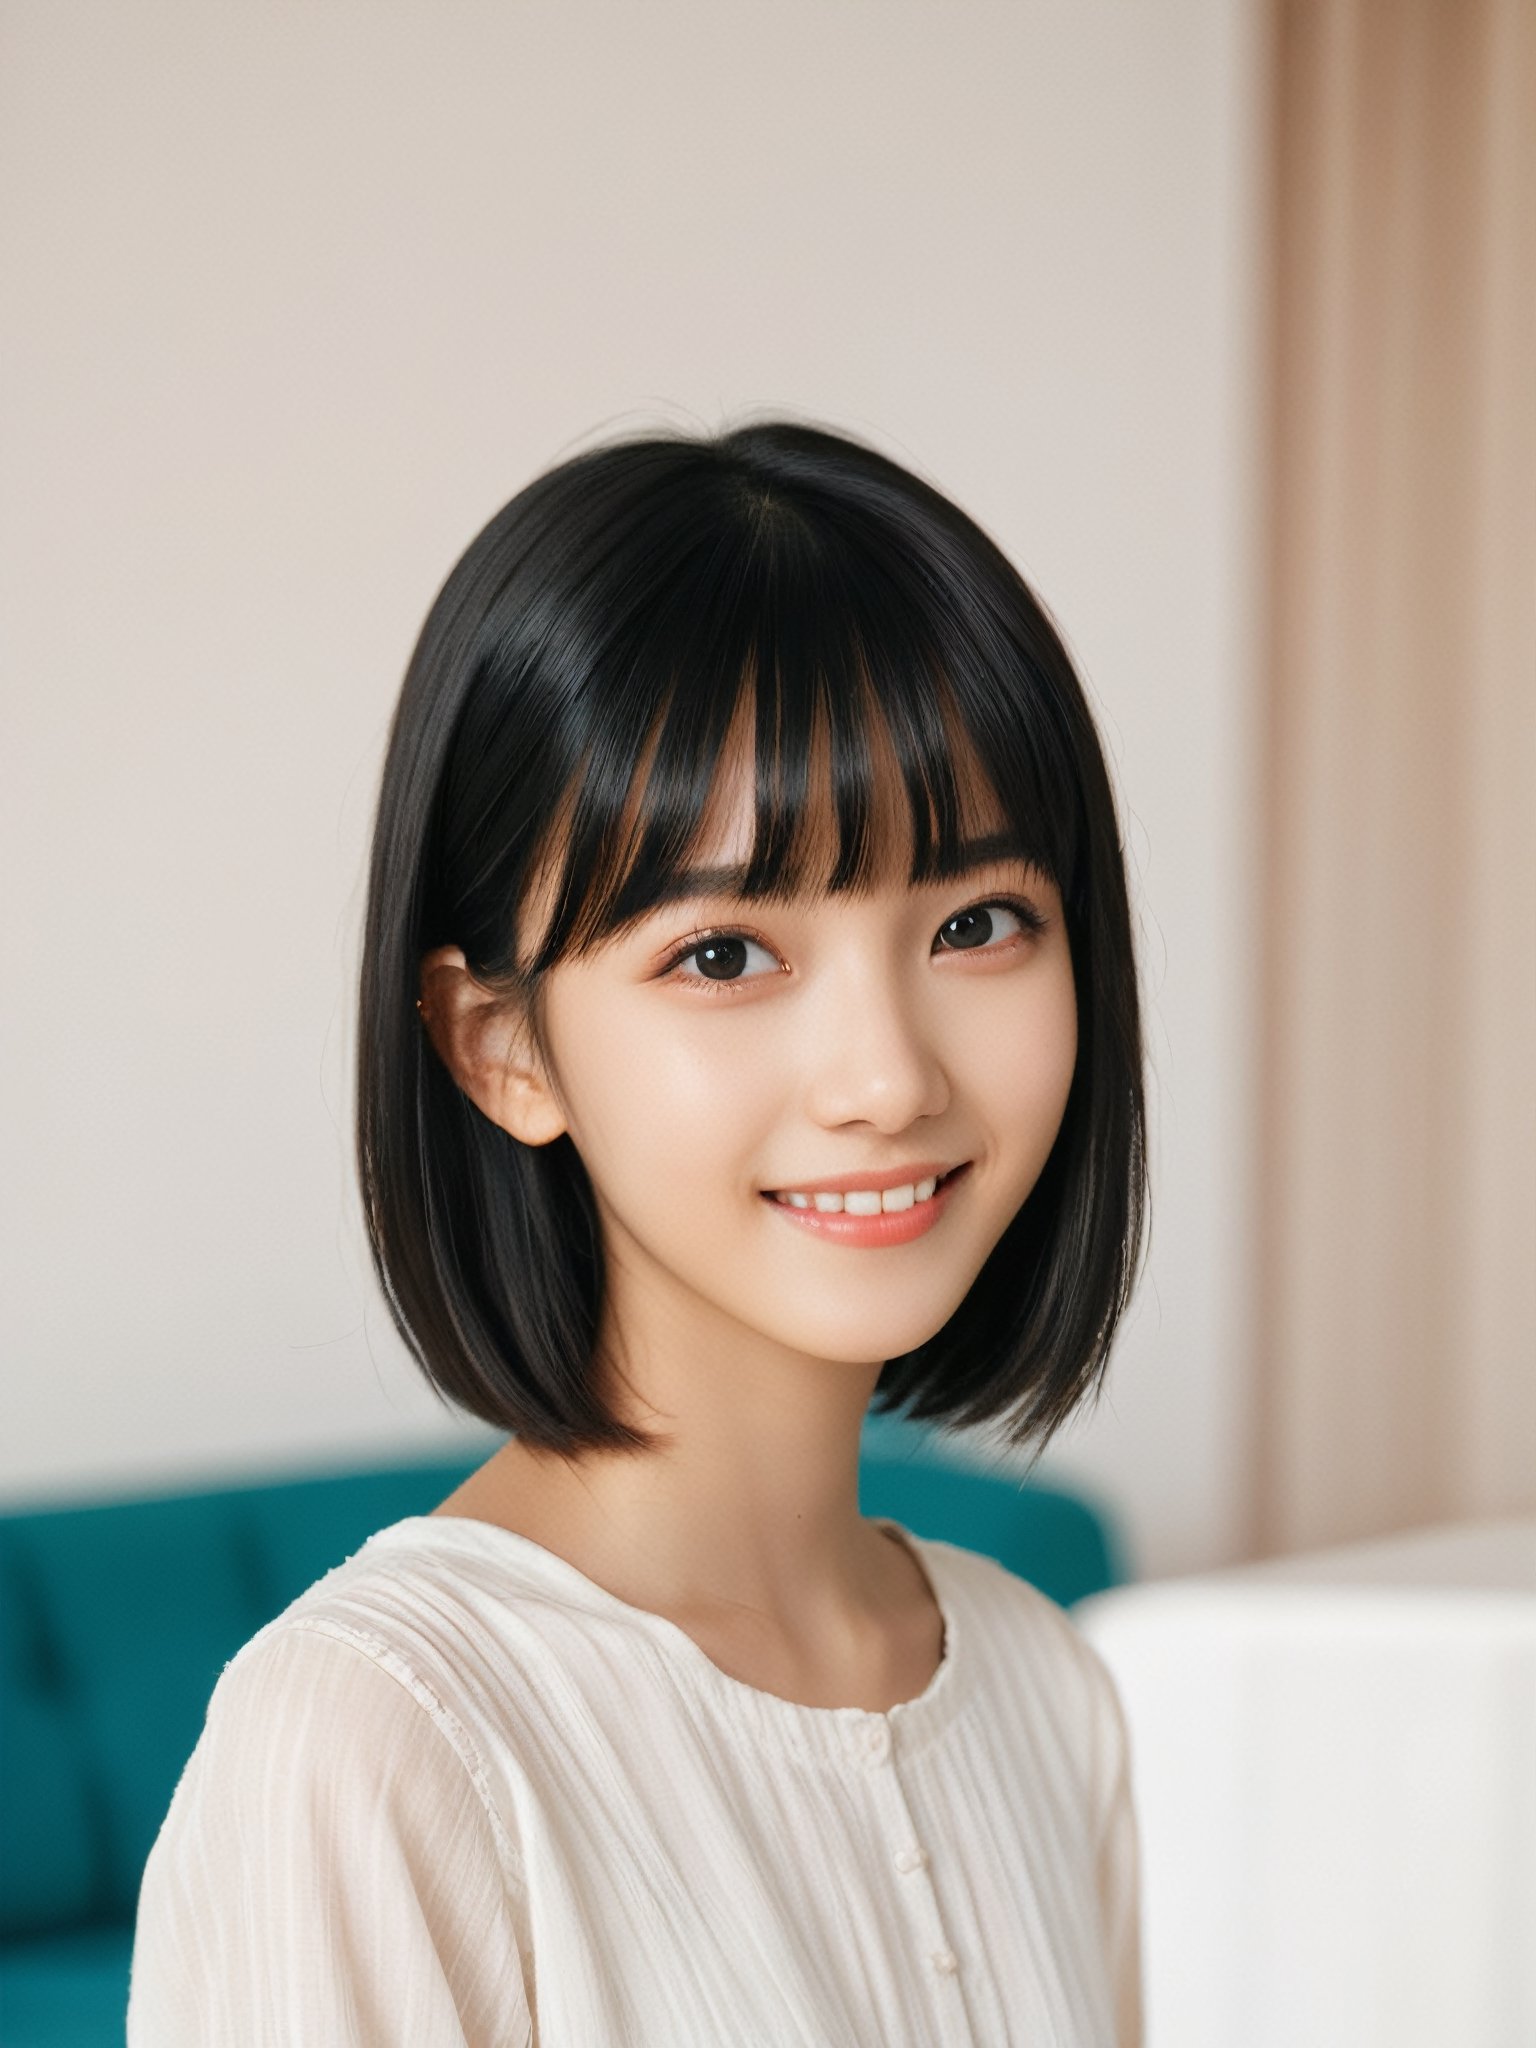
[{"x": 877, "y": 1742}]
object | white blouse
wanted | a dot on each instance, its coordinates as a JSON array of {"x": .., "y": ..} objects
[{"x": 458, "y": 1794}]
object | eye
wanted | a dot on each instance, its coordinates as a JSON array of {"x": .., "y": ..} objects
[
  {"x": 721, "y": 956},
  {"x": 969, "y": 931}
]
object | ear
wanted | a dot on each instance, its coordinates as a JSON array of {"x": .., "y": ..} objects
[{"x": 488, "y": 1050}]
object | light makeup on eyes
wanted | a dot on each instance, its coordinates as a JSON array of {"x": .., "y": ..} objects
[{"x": 1030, "y": 920}]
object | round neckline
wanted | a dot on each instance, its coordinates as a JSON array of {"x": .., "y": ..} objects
[{"x": 832, "y": 1733}]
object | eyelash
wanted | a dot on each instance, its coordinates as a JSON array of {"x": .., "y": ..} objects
[{"x": 1026, "y": 913}]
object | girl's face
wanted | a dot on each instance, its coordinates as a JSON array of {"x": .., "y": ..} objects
[{"x": 722, "y": 1053}]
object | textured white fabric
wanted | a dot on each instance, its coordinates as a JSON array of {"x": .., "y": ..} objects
[{"x": 458, "y": 1793}]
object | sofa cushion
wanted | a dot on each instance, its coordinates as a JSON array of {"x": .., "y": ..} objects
[
  {"x": 118, "y": 1620},
  {"x": 48, "y": 1872},
  {"x": 68, "y": 1991}
]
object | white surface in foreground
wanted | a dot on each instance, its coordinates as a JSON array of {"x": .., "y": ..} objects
[{"x": 1335, "y": 1768}]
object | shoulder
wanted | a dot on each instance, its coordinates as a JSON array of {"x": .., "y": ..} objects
[
  {"x": 331, "y": 1850},
  {"x": 354, "y": 1689},
  {"x": 318, "y": 1674},
  {"x": 363, "y": 1623},
  {"x": 314, "y": 1705},
  {"x": 1001, "y": 1599},
  {"x": 1040, "y": 1658}
]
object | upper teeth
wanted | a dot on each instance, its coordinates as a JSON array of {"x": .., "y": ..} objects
[{"x": 863, "y": 1201}]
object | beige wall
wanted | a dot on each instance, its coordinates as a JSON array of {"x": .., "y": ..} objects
[{"x": 296, "y": 297}]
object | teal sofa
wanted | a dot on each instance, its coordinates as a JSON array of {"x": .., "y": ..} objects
[{"x": 117, "y": 1618}]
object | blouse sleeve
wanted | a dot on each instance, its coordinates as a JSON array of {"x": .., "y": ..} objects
[
  {"x": 1118, "y": 1866},
  {"x": 329, "y": 1872}
]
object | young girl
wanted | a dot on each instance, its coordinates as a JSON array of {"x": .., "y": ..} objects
[{"x": 748, "y": 1031}]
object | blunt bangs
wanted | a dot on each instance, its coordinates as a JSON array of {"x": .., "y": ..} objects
[{"x": 571, "y": 700}]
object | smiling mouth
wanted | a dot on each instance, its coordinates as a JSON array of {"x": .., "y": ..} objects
[{"x": 866, "y": 1201}]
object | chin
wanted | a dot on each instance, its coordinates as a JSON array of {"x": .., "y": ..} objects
[{"x": 856, "y": 1340}]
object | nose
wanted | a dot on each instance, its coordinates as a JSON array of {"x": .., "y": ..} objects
[{"x": 875, "y": 1058}]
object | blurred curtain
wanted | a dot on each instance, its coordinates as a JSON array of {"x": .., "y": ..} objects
[{"x": 1397, "y": 1204}]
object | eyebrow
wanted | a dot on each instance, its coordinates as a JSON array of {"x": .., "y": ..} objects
[{"x": 729, "y": 881}]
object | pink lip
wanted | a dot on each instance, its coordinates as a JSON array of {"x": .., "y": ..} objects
[
  {"x": 890, "y": 1227},
  {"x": 864, "y": 1183}
]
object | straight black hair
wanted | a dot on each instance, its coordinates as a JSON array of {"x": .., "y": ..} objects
[{"x": 573, "y": 685}]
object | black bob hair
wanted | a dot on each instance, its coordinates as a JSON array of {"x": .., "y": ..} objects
[{"x": 617, "y": 611}]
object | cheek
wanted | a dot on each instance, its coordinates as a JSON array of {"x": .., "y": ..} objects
[
  {"x": 1034, "y": 1085},
  {"x": 653, "y": 1103}
]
